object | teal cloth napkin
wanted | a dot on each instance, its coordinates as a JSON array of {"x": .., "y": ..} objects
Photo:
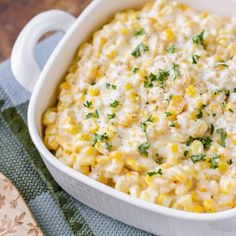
[{"x": 56, "y": 212}]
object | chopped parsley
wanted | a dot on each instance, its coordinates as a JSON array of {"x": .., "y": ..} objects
[
  {"x": 234, "y": 90},
  {"x": 230, "y": 162},
  {"x": 212, "y": 129},
  {"x": 111, "y": 86},
  {"x": 143, "y": 149},
  {"x": 137, "y": 51},
  {"x": 144, "y": 125},
  {"x": 92, "y": 115},
  {"x": 214, "y": 162},
  {"x": 87, "y": 104},
  {"x": 186, "y": 152},
  {"x": 176, "y": 68},
  {"x": 199, "y": 114},
  {"x": 171, "y": 49},
  {"x": 198, "y": 157},
  {"x": 108, "y": 146},
  {"x": 159, "y": 160},
  {"x": 136, "y": 70},
  {"x": 199, "y": 39},
  {"x": 99, "y": 137},
  {"x": 111, "y": 116},
  {"x": 195, "y": 59},
  {"x": 158, "y": 172},
  {"x": 223, "y": 136},
  {"x": 161, "y": 76},
  {"x": 168, "y": 114},
  {"x": 139, "y": 32},
  {"x": 230, "y": 110},
  {"x": 173, "y": 124},
  {"x": 206, "y": 141},
  {"x": 115, "y": 104}
]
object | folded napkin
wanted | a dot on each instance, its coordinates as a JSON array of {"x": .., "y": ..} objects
[{"x": 56, "y": 213}]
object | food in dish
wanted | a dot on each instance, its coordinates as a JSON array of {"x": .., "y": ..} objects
[{"x": 148, "y": 107}]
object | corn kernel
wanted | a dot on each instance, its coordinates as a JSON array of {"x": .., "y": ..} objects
[
  {"x": 94, "y": 92},
  {"x": 128, "y": 86},
  {"x": 209, "y": 206},
  {"x": 223, "y": 167},
  {"x": 191, "y": 91},
  {"x": 132, "y": 164},
  {"x": 169, "y": 35}
]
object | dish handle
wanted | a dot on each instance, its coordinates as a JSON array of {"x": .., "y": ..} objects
[{"x": 23, "y": 62}]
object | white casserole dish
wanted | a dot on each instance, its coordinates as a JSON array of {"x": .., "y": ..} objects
[{"x": 140, "y": 214}]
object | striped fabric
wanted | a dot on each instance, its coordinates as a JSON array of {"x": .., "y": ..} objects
[{"x": 56, "y": 212}]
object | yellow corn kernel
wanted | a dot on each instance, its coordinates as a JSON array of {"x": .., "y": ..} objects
[
  {"x": 209, "y": 206},
  {"x": 94, "y": 127},
  {"x": 169, "y": 35},
  {"x": 71, "y": 129},
  {"x": 196, "y": 147},
  {"x": 51, "y": 142},
  {"x": 148, "y": 180},
  {"x": 84, "y": 169},
  {"x": 111, "y": 55},
  {"x": 124, "y": 31},
  {"x": 101, "y": 178},
  {"x": 94, "y": 92},
  {"x": 148, "y": 7},
  {"x": 129, "y": 119},
  {"x": 142, "y": 73},
  {"x": 195, "y": 197},
  {"x": 222, "y": 167},
  {"x": 188, "y": 184},
  {"x": 50, "y": 116},
  {"x": 191, "y": 91},
  {"x": 128, "y": 86},
  {"x": 174, "y": 148},
  {"x": 90, "y": 151},
  {"x": 196, "y": 208},
  {"x": 103, "y": 41},
  {"x": 84, "y": 137},
  {"x": 199, "y": 104},
  {"x": 132, "y": 164},
  {"x": 233, "y": 139},
  {"x": 51, "y": 130},
  {"x": 65, "y": 85},
  {"x": 116, "y": 155},
  {"x": 101, "y": 147},
  {"x": 84, "y": 160},
  {"x": 133, "y": 96},
  {"x": 102, "y": 160},
  {"x": 182, "y": 7},
  {"x": 110, "y": 131},
  {"x": 164, "y": 199},
  {"x": 204, "y": 15}
]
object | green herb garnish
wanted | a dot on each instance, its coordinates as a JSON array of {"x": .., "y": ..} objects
[
  {"x": 206, "y": 141},
  {"x": 214, "y": 162},
  {"x": 139, "y": 32},
  {"x": 161, "y": 76},
  {"x": 176, "y": 68},
  {"x": 168, "y": 114},
  {"x": 198, "y": 157},
  {"x": 137, "y": 51},
  {"x": 87, "y": 104},
  {"x": 212, "y": 129},
  {"x": 230, "y": 162},
  {"x": 111, "y": 116},
  {"x": 199, "y": 39},
  {"x": 171, "y": 49},
  {"x": 92, "y": 115},
  {"x": 223, "y": 136},
  {"x": 99, "y": 137},
  {"x": 115, "y": 104},
  {"x": 136, "y": 70},
  {"x": 195, "y": 59},
  {"x": 143, "y": 149},
  {"x": 158, "y": 172},
  {"x": 112, "y": 86}
]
